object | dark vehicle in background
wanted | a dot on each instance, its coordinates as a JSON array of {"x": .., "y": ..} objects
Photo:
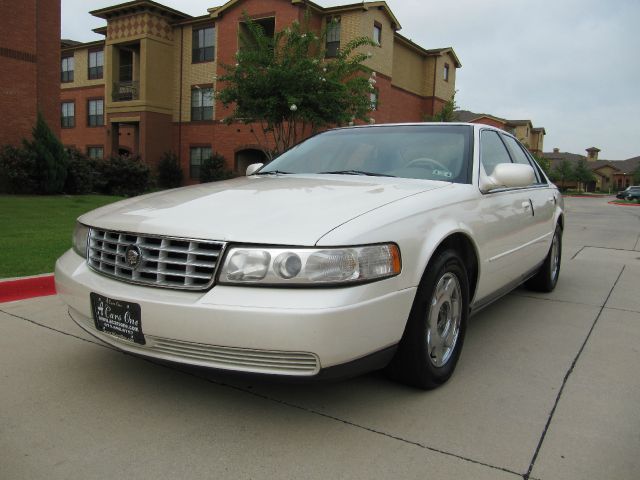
[{"x": 629, "y": 193}]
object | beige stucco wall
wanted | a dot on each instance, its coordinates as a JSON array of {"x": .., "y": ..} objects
[
  {"x": 382, "y": 59},
  {"x": 154, "y": 36},
  {"x": 156, "y": 84},
  {"x": 537, "y": 141},
  {"x": 360, "y": 24},
  {"x": 81, "y": 70},
  {"x": 192, "y": 73},
  {"x": 523, "y": 133},
  {"x": 444, "y": 89},
  {"x": 408, "y": 69}
]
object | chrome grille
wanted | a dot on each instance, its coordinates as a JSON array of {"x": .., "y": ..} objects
[
  {"x": 165, "y": 262},
  {"x": 261, "y": 361}
]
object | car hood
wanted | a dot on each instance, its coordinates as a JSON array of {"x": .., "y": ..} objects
[{"x": 282, "y": 209}]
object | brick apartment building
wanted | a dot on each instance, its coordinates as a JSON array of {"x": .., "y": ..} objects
[
  {"x": 29, "y": 67},
  {"x": 147, "y": 88},
  {"x": 532, "y": 137}
]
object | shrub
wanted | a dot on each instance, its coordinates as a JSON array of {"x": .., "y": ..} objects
[
  {"x": 214, "y": 169},
  {"x": 50, "y": 158},
  {"x": 169, "y": 171},
  {"x": 82, "y": 175},
  {"x": 18, "y": 172},
  {"x": 123, "y": 175}
]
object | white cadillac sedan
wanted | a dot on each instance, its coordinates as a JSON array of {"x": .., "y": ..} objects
[{"x": 358, "y": 249}]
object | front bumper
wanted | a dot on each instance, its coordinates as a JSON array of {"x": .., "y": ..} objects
[{"x": 297, "y": 332}]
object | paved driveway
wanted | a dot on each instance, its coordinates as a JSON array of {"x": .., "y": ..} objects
[{"x": 547, "y": 386}]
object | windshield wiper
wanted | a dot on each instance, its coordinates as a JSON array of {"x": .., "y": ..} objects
[
  {"x": 355, "y": 172},
  {"x": 274, "y": 172}
]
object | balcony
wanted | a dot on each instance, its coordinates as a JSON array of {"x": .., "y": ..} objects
[{"x": 125, "y": 91}]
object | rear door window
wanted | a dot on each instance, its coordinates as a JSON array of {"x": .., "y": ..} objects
[{"x": 519, "y": 156}]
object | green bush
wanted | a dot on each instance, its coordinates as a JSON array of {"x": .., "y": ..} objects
[
  {"x": 214, "y": 169},
  {"x": 169, "y": 171},
  {"x": 18, "y": 172},
  {"x": 123, "y": 175},
  {"x": 50, "y": 158},
  {"x": 82, "y": 176}
]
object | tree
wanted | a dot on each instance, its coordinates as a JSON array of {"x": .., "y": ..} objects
[
  {"x": 448, "y": 112},
  {"x": 50, "y": 158},
  {"x": 214, "y": 169},
  {"x": 582, "y": 174},
  {"x": 636, "y": 175},
  {"x": 544, "y": 163},
  {"x": 169, "y": 171},
  {"x": 286, "y": 84},
  {"x": 563, "y": 172}
]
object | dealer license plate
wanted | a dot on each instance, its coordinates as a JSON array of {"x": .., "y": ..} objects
[{"x": 118, "y": 318}]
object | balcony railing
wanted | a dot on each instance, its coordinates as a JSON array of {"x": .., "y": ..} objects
[{"x": 124, "y": 91}]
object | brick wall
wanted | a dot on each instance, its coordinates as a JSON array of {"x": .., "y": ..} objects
[
  {"x": 29, "y": 67},
  {"x": 396, "y": 104},
  {"x": 81, "y": 135}
]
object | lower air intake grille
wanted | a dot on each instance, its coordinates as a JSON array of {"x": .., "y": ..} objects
[
  {"x": 155, "y": 261},
  {"x": 261, "y": 361}
]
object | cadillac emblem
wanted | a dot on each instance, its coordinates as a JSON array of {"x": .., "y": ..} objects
[{"x": 133, "y": 256}]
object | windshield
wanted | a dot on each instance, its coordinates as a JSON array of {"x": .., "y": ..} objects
[{"x": 428, "y": 152}]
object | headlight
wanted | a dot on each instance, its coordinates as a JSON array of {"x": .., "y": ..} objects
[
  {"x": 309, "y": 266},
  {"x": 80, "y": 236}
]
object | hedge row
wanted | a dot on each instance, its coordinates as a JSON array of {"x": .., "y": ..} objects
[{"x": 44, "y": 166}]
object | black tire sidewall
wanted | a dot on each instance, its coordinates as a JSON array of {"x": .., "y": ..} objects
[{"x": 413, "y": 356}]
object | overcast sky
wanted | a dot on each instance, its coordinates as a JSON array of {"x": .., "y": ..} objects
[{"x": 571, "y": 66}]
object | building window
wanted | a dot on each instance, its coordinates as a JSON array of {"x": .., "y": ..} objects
[
  {"x": 201, "y": 103},
  {"x": 95, "y": 110},
  {"x": 446, "y": 72},
  {"x": 377, "y": 33},
  {"x": 197, "y": 156},
  {"x": 373, "y": 96},
  {"x": 66, "y": 74},
  {"x": 95, "y": 153},
  {"x": 246, "y": 38},
  {"x": 333, "y": 37},
  {"x": 203, "y": 46},
  {"x": 68, "y": 115},
  {"x": 96, "y": 64}
]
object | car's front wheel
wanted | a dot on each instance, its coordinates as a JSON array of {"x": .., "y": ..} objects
[{"x": 433, "y": 338}]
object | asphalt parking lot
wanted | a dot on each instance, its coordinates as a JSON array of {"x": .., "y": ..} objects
[{"x": 547, "y": 388}]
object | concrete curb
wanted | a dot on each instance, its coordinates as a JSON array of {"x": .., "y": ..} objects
[{"x": 26, "y": 287}]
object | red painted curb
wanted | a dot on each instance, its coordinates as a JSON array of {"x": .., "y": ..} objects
[
  {"x": 625, "y": 204},
  {"x": 24, "y": 288},
  {"x": 586, "y": 196}
]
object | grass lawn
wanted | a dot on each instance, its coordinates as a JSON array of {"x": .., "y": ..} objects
[{"x": 36, "y": 230}]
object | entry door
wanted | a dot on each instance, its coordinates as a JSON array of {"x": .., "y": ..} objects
[{"x": 507, "y": 223}]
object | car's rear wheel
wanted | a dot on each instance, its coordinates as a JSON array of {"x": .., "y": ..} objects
[
  {"x": 547, "y": 277},
  {"x": 433, "y": 338}
]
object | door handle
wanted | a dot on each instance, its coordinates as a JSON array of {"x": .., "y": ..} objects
[{"x": 526, "y": 206}]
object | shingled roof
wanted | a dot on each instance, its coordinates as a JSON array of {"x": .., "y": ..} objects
[{"x": 622, "y": 166}]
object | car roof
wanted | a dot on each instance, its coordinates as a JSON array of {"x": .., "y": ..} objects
[{"x": 476, "y": 126}]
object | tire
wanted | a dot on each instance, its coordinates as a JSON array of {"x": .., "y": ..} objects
[
  {"x": 434, "y": 334},
  {"x": 546, "y": 279}
]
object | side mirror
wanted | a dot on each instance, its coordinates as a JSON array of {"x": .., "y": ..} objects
[
  {"x": 253, "y": 168},
  {"x": 508, "y": 175}
]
